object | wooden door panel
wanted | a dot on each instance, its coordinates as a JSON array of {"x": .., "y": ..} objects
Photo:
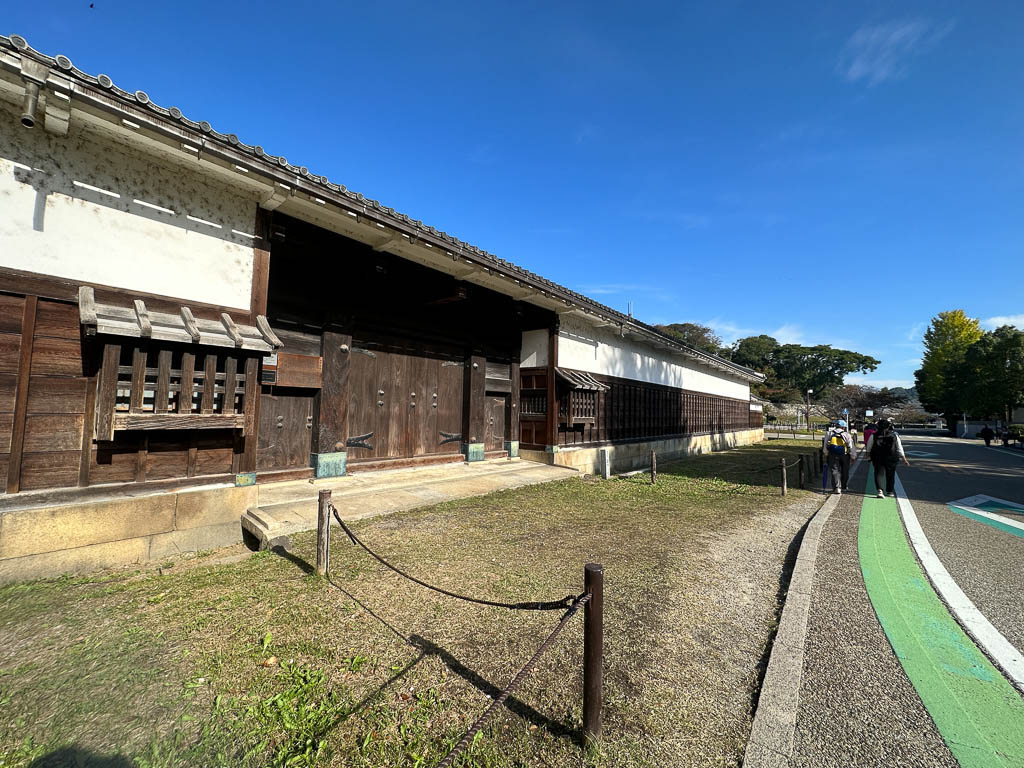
[
  {"x": 494, "y": 423},
  {"x": 363, "y": 431},
  {"x": 285, "y": 430},
  {"x": 396, "y": 407},
  {"x": 448, "y": 437}
]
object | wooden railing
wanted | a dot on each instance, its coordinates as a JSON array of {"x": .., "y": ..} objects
[{"x": 175, "y": 393}]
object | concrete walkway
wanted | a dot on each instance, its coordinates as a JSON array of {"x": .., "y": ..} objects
[
  {"x": 292, "y": 507},
  {"x": 870, "y": 667}
]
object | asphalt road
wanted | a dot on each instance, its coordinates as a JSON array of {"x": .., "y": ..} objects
[
  {"x": 986, "y": 562},
  {"x": 856, "y": 705}
]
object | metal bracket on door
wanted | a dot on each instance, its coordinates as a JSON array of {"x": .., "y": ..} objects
[
  {"x": 366, "y": 352},
  {"x": 450, "y": 437},
  {"x": 360, "y": 441}
]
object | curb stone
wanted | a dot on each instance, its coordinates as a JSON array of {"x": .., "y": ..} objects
[{"x": 773, "y": 732}]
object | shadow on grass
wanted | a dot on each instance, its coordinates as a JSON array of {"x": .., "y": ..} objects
[
  {"x": 75, "y": 757},
  {"x": 303, "y": 565},
  {"x": 429, "y": 648},
  {"x": 759, "y": 468}
]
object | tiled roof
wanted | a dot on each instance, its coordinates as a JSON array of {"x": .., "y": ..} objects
[{"x": 141, "y": 100}]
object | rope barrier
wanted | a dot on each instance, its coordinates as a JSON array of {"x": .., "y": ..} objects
[
  {"x": 550, "y": 605},
  {"x": 477, "y": 726}
]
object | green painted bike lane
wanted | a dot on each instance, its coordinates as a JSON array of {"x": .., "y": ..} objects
[{"x": 977, "y": 711}]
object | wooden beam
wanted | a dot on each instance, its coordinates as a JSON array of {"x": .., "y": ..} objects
[
  {"x": 231, "y": 328},
  {"x": 190, "y": 324},
  {"x": 87, "y": 309},
  {"x": 513, "y": 425},
  {"x": 474, "y": 395},
  {"x": 267, "y": 332},
  {"x": 142, "y": 318},
  {"x": 28, "y": 331},
  {"x": 209, "y": 383},
  {"x": 106, "y": 393},
  {"x": 551, "y": 421},
  {"x": 185, "y": 388},
  {"x": 87, "y": 432},
  {"x": 230, "y": 374},
  {"x": 149, "y": 421},
  {"x": 138, "y": 385},
  {"x": 332, "y": 416},
  {"x": 260, "y": 264},
  {"x": 163, "y": 382}
]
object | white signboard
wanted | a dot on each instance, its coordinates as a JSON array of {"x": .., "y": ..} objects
[{"x": 869, "y": 413}]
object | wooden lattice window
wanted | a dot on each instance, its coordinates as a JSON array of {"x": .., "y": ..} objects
[
  {"x": 148, "y": 385},
  {"x": 533, "y": 404}
]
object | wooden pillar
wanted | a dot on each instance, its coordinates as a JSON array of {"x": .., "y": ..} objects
[
  {"x": 260, "y": 265},
  {"x": 473, "y": 396},
  {"x": 28, "y": 332},
  {"x": 512, "y": 435},
  {"x": 330, "y": 457},
  {"x": 551, "y": 423}
]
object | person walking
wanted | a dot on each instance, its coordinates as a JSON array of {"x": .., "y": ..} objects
[
  {"x": 987, "y": 434},
  {"x": 886, "y": 451},
  {"x": 869, "y": 429},
  {"x": 840, "y": 448}
]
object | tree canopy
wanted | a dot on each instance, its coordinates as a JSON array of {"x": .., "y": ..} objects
[
  {"x": 792, "y": 369},
  {"x": 945, "y": 343},
  {"x": 696, "y": 335},
  {"x": 989, "y": 379}
]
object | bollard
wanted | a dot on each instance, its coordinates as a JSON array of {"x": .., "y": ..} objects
[
  {"x": 593, "y": 652},
  {"x": 654, "y": 467},
  {"x": 803, "y": 479},
  {"x": 783, "y": 477},
  {"x": 323, "y": 531}
]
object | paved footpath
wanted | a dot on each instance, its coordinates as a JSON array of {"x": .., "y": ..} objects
[{"x": 885, "y": 673}]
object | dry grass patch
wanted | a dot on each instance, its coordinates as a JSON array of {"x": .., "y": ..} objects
[{"x": 256, "y": 662}]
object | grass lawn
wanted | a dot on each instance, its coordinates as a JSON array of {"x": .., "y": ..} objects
[{"x": 228, "y": 659}]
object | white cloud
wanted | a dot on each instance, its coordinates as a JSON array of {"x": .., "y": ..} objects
[
  {"x": 1000, "y": 320},
  {"x": 879, "y": 52},
  {"x": 788, "y": 334}
]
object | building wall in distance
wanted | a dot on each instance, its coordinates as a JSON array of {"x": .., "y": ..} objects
[
  {"x": 600, "y": 350},
  {"x": 87, "y": 207}
]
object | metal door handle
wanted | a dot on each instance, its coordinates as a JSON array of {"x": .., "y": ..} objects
[
  {"x": 380, "y": 403},
  {"x": 380, "y": 392}
]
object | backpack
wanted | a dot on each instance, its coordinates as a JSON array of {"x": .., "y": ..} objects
[
  {"x": 884, "y": 447},
  {"x": 836, "y": 444}
]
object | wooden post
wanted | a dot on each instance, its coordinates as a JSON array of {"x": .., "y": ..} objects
[
  {"x": 593, "y": 652},
  {"x": 654, "y": 467},
  {"x": 323, "y": 531},
  {"x": 783, "y": 476},
  {"x": 803, "y": 476}
]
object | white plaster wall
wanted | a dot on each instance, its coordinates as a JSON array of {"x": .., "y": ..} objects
[
  {"x": 535, "y": 349},
  {"x": 52, "y": 226},
  {"x": 596, "y": 350}
]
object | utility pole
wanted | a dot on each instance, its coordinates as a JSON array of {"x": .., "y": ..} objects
[{"x": 809, "y": 393}]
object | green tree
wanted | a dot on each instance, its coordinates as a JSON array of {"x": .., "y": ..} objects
[
  {"x": 755, "y": 352},
  {"x": 792, "y": 369},
  {"x": 945, "y": 344},
  {"x": 696, "y": 335},
  {"x": 990, "y": 378}
]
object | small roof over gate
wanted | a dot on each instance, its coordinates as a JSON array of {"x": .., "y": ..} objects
[
  {"x": 139, "y": 322},
  {"x": 581, "y": 380}
]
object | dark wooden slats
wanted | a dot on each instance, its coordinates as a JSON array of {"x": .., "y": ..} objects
[
  {"x": 138, "y": 384},
  {"x": 106, "y": 395},
  {"x": 209, "y": 383},
  {"x": 28, "y": 324},
  {"x": 188, "y": 369},
  {"x": 163, "y": 382},
  {"x": 230, "y": 372}
]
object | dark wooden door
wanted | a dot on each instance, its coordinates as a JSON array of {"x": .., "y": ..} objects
[
  {"x": 494, "y": 422},
  {"x": 368, "y": 369},
  {"x": 448, "y": 437},
  {"x": 285, "y": 431}
]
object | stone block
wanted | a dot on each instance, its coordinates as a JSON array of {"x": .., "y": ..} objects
[
  {"x": 194, "y": 539},
  {"x": 512, "y": 448},
  {"x": 78, "y": 560},
  {"x": 605, "y": 463},
  {"x": 49, "y": 529},
  {"x": 329, "y": 464},
  {"x": 213, "y": 506}
]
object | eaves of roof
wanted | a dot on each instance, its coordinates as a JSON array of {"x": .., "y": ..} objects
[{"x": 101, "y": 91}]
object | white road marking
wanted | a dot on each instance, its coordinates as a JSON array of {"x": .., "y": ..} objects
[
  {"x": 990, "y": 516},
  {"x": 980, "y": 498},
  {"x": 921, "y": 454},
  {"x": 996, "y": 647},
  {"x": 1019, "y": 455}
]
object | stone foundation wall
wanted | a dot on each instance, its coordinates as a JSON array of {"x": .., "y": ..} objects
[
  {"x": 83, "y": 536},
  {"x": 626, "y": 457}
]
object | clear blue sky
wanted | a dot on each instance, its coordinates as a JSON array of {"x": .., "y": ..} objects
[{"x": 825, "y": 172}]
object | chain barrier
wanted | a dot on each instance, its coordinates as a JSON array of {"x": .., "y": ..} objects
[
  {"x": 549, "y": 605},
  {"x": 477, "y": 726}
]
